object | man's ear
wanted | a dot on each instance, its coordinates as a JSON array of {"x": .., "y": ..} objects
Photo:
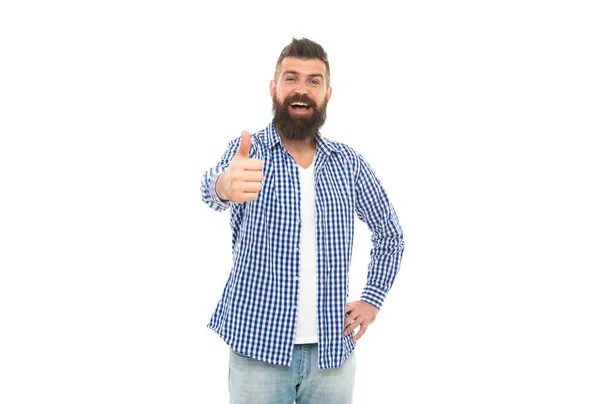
[
  {"x": 272, "y": 88},
  {"x": 328, "y": 93}
]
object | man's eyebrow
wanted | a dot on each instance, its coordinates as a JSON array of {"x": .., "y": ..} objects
[{"x": 298, "y": 74}]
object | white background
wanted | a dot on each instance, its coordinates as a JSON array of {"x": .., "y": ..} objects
[{"x": 479, "y": 118}]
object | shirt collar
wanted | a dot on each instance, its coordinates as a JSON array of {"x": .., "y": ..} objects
[{"x": 272, "y": 138}]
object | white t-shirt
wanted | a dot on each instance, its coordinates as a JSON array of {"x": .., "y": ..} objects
[{"x": 306, "y": 330}]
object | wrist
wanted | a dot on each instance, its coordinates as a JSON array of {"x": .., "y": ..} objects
[{"x": 219, "y": 188}]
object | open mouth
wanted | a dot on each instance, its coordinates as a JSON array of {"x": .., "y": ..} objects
[{"x": 300, "y": 107}]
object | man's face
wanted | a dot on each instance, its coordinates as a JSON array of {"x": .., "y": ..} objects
[{"x": 300, "y": 95}]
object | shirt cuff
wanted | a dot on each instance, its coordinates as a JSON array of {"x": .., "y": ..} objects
[
  {"x": 217, "y": 203},
  {"x": 373, "y": 295}
]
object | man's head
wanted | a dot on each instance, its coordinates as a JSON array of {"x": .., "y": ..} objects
[{"x": 300, "y": 89}]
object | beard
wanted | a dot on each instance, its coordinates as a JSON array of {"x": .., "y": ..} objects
[{"x": 301, "y": 127}]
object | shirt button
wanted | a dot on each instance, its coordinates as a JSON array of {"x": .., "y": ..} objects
[{"x": 296, "y": 278}]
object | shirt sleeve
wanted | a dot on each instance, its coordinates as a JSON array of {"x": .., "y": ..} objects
[
  {"x": 374, "y": 208},
  {"x": 208, "y": 186}
]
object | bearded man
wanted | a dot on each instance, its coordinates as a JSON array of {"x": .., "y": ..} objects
[{"x": 293, "y": 195}]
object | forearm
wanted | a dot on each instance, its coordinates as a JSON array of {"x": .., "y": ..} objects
[{"x": 386, "y": 255}]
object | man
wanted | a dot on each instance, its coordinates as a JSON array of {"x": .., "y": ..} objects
[{"x": 293, "y": 195}]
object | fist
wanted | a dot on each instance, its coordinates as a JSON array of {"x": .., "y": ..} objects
[{"x": 242, "y": 181}]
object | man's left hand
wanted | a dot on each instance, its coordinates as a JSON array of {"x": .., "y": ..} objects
[{"x": 360, "y": 313}]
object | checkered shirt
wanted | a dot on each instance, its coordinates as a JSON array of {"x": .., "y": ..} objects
[{"x": 256, "y": 315}]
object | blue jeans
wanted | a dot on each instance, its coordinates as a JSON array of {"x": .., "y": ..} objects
[{"x": 256, "y": 382}]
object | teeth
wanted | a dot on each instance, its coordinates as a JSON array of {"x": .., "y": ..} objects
[{"x": 300, "y": 104}]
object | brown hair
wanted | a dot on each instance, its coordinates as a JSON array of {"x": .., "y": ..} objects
[{"x": 304, "y": 49}]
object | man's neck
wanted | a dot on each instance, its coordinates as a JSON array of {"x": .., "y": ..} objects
[{"x": 303, "y": 151}]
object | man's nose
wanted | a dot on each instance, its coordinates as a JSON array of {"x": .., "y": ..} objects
[{"x": 301, "y": 90}]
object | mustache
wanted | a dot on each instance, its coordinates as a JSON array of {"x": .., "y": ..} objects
[{"x": 300, "y": 98}]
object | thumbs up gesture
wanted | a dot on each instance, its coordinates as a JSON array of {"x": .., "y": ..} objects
[{"x": 242, "y": 180}]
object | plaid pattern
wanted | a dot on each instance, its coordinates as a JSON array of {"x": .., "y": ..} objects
[{"x": 256, "y": 315}]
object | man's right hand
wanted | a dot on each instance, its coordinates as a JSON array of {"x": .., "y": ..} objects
[{"x": 242, "y": 180}]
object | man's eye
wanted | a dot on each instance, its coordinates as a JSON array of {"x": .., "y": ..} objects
[
  {"x": 290, "y": 79},
  {"x": 315, "y": 82}
]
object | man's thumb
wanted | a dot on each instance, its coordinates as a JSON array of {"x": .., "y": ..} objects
[{"x": 244, "y": 145}]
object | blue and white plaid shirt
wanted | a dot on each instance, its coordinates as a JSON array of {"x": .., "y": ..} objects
[{"x": 257, "y": 313}]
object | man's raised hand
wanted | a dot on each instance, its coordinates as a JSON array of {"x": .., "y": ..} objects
[{"x": 243, "y": 179}]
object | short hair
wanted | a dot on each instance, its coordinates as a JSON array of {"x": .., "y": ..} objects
[{"x": 304, "y": 49}]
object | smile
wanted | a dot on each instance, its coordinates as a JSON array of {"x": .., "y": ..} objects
[{"x": 300, "y": 107}]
